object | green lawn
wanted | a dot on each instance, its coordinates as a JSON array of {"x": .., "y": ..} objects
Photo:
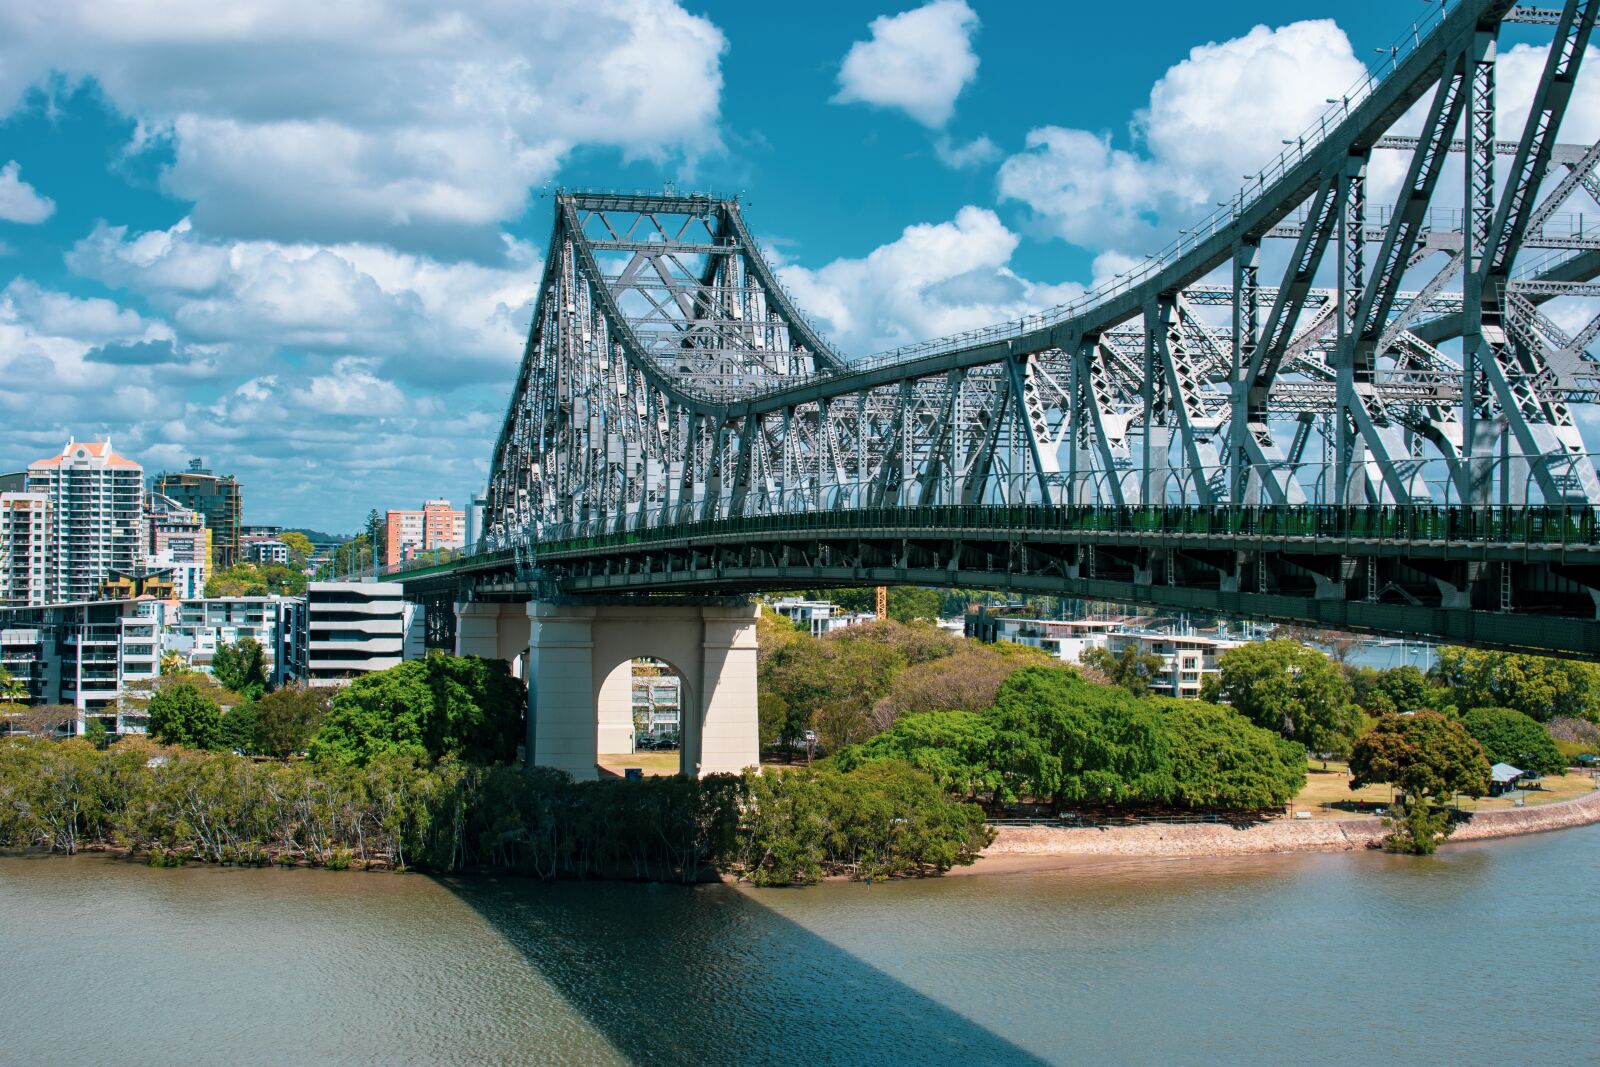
[
  {"x": 1326, "y": 787},
  {"x": 651, "y": 762}
]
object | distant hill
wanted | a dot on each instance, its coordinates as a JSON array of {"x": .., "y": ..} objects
[{"x": 317, "y": 537}]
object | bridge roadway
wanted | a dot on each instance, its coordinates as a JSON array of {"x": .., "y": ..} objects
[{"x": 1509, "y": 577}]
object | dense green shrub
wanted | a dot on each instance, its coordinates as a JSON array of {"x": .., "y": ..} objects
[
  {"x": 1222, "y": 760},
  {"x": 955, "y": 747},
  {"x": 1054, "y": 737},
  {"x": 1062, "y": 739},
  {"x": 1541, "y": 687},
  {"x": 182, "y": 715},
  {"x": 240, "y": 729},
  {"x": 882, "y": 820},
  {"x": 461, "y": 706},
  {"x": 176, "y": 804},
  {"x": 1509, "y": 736}
]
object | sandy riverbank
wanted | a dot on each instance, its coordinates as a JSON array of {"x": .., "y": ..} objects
[{"x": 1037, "y": 848}]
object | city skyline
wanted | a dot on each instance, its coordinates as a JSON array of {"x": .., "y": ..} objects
[{"x": 318, "y": 289}]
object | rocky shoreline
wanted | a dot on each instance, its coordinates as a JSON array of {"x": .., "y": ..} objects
[{"x": 1277, "y": 835}]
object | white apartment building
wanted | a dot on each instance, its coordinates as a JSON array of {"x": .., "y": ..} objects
[
  {"x": 267, "y": 550},
  {"x": 96, "y": 519},
  {"x": 1064, "y": 639},
  {"x": 24, "y": 548},
  {"x": 818, "y": 616},
  {"x": 1186, "y": 659},
  {"x": 84, "y": 654},
  {"x": 357, "y": 627},
  {"x": 657, "y": 705},
  {"x": 198, "y": 626},
  {"x": 188, "y": 575}
]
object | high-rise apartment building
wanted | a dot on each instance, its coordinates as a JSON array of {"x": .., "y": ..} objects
[
  {"x": 24, "y": 548},
  {"x": 97, "y": 508},
  {"x": 180, "y": 541},
  {"x": 217, "y": 498},
  {"x": 437, "y": 525}
]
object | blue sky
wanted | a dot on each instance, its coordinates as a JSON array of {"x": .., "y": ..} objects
[{"x": 300, "y": 239}]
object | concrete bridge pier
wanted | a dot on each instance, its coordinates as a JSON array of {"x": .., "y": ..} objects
[{"x": 580, "y": 700}]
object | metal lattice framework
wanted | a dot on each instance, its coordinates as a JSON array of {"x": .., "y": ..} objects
[{"x": 1404, "y": 355}]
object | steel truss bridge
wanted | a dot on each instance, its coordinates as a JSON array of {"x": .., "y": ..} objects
[{"x": 1310, "y": 407}]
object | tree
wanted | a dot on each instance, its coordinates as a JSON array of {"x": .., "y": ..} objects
[
  {"x": 965, "y": 680},
  {"x": 378, "y": 535},
  {"x": 1058, "y": 737},
  {"x": 239, "y": 730},
  {"x": 37, "y": 720},
  {"x": 241, "y": 579},
  {"x": 256, "y": 579},
  {"x": 1430, "y": 758},
  {"x": 241, "y": 667},
  {"x": 830, "y": 684},
  {"x": 1406, "y": 686},
  {"x": 1222, "y": 760},
  {"x": 349, "y": 557},
  {"x": 1289, "y": 688},
  {"x": 1403, "y": 688},
  {"x": 300, "y": 548},
  {"x": 461, "y": 706},
  {"x": 182, "y": 715},
  {"x": 956, "y": 747},
  {"x": 1130, "y": 668},
  {"x": 1538, "y": 686},
  {"x": 95, "y": 732},
  {"x": 908, "y": 603},
  {"x": 12, "y": 688},
  {"x": 1424, "y": 754},
  {"x": 1508, "y": 736},
  {"x": 287, "y": 719}
]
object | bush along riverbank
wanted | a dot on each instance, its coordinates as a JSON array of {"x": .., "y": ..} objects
[{"x": 177, "y": 805}]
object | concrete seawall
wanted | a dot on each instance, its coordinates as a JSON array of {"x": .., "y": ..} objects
[{"x": 1278, "y": 835}]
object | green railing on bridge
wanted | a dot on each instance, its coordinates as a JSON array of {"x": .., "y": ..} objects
[{"x": 1542, "y": 525}]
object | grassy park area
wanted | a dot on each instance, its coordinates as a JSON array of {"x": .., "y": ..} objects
[
  {"x": 653, "y": 763},
  {"x": 1333, "y": 785}
]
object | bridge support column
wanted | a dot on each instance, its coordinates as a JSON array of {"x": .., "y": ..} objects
[
  {"x": 728, "y": 738},
  {"x": 477, "y": 629},
  {"x": 491, "y": 630},
  {"x": 561, "y": 689},
  {"x": 580, "y": 693}
]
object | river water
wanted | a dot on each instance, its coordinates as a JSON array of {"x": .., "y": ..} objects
[{"x": 1485, "y": 953}]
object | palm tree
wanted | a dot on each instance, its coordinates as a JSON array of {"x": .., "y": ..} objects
[{"x": 12, "y": 688}]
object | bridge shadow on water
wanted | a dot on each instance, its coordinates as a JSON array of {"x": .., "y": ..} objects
[{"x": 706, "y": 974}]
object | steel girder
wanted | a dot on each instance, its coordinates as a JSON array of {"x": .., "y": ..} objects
[{"x": 1405, "y": 355}]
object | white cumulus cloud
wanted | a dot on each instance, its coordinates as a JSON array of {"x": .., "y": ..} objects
[
  {"x": 19, "y": 201},
  {"x": 1216, "y": 116},
  {"x": 377, "y": 119},
  {"x": 934, "y": 279},
  {"x": 917, "y": 61},
  {"x": 424, "y": 320}
]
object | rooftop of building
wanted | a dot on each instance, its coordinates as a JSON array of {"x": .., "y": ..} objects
[{"x": 84, "y": 450}]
